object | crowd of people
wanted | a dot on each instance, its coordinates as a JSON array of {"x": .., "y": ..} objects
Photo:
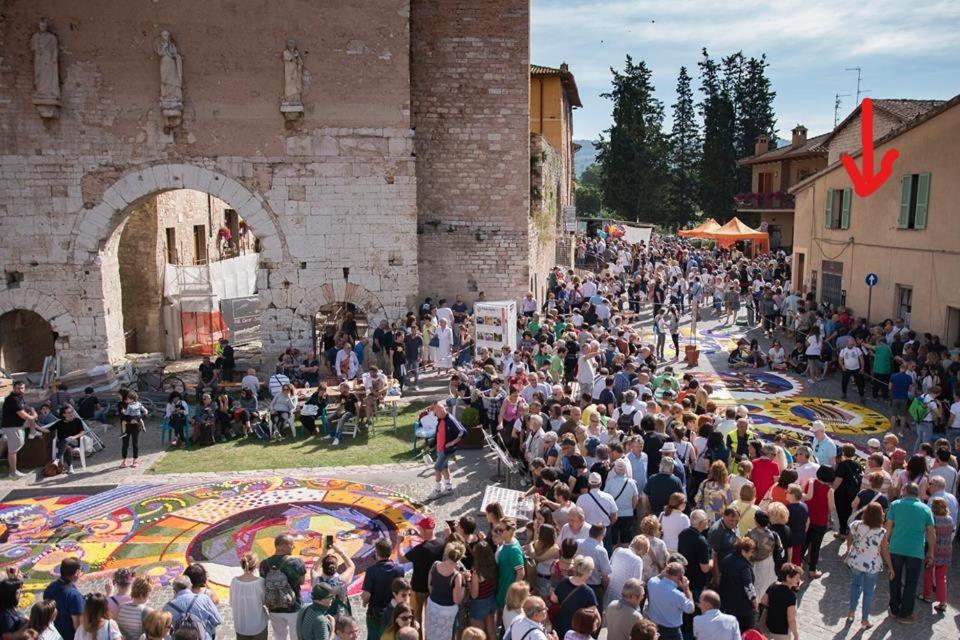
[{"x": 658, "y": 510}]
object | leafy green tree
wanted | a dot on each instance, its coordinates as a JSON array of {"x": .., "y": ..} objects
[
  {"x": 685, "y": 148},
  {"x": 633, "y": 152},
  {"x": 754, "y": 105},
  {"x": 718, "y": 164},
  {"x": 589, "y": 197}
]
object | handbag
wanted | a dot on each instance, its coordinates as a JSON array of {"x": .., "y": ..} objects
[
  {"x": 434, "y": 341},
  {"x": 553, "y": 611}
]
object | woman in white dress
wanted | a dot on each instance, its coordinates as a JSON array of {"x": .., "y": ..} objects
[
  {"x": 246, "y": 601},
  {"x": 445, "y": 348}
]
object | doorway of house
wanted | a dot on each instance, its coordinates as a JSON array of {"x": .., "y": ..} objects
[
  {"x": 26, "y": 339},
  {"x": 952, "y": 334},
  {"x": 333, "y": 319}
]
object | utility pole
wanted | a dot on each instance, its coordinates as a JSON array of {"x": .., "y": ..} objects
[
  {"x": 859, "y": 70},
  {"x": 836, "y": 108}
]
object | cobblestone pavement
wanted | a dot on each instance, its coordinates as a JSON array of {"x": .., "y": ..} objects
[{"x": 823, "y": 603}]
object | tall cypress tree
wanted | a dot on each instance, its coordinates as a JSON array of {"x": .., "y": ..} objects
[
  {"x": 754, "y": 112},
  {"x": 718, "y": 165},
  {"x": 633, "y": 152},
  {"x": 684, "y": 154}
]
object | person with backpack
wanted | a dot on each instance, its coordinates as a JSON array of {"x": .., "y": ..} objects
[
  {"x": 314, "y": 621},
  {"x": 923, "y": 411},
  {"x": 628, "y": 414},
  {"x": 192, "y": 611},
  {"x": 283, "y": 577}
]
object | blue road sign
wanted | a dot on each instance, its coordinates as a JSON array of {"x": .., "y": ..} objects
[{"x": 872, "y": 279}]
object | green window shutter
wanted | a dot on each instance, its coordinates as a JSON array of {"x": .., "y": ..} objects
[
  {"x": 904, "y": 218},
  {"x": 829, "y": 212},
  {"x": 923, "y": 200},
  {"x": 845, "y": 208}
]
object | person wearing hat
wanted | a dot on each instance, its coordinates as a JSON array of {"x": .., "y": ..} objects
[
  {"x": 824, "y": 449},
  {"x": 598, "y": 506},
  {"x": 314, "y": 622},
  {"x": 422, "y": 557}
]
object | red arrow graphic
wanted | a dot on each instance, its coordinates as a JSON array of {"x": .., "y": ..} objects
[{"x": 866, "y": 182}]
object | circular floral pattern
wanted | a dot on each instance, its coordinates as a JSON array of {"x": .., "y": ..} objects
[{"x": 159, "y": 529}]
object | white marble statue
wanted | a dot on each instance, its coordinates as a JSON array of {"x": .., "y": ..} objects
[
  {"x": 46, "y": 66},
  {"x": 171, "y": 72},
  {"x": 292, "y": 74}
]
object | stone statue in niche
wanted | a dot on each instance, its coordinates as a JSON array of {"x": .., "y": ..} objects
[
  {"x": 46, "y": 71},
  {"x": 171, "y": 79},
  {"x": 292, "y": 105}
]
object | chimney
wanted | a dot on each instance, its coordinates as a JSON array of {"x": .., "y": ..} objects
[
  {"x": 799, "y": 135},
  {"x": 762, "y": 144}
]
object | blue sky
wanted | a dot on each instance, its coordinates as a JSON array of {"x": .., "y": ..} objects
[{"x": 907, "y": 49}]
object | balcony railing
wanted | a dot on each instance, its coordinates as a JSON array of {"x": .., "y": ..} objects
[{"x": 772, "y": 200}]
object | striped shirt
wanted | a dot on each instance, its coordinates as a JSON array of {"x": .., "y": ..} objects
[{"x": 130, "y": 619}]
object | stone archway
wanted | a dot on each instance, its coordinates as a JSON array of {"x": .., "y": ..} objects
[
  {"x": 49, "y": 309},
  {"x": 95, "y": 226},
  {"x": 341, "y": 291},
  {"x": 97, "y": 233}
]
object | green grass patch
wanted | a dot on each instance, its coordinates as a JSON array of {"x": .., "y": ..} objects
[{"x": 384, "y": 446}]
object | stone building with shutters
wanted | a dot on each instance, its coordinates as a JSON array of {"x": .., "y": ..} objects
[
  {"x": 398, "y": 167},
  {"x": 906, "y": 232}
]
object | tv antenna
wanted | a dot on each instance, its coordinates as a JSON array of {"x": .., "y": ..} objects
[
  {"x": 836, "y": 107},
  {"x": 859, "y": 71}
]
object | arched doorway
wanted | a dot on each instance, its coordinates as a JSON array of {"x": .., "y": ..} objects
[
  {"x": 99, "y": 233},
  {"x": 25, "y": 340},
  {"x": 183, "y": 255}
]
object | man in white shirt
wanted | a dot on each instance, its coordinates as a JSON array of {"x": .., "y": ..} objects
[
  {"x": 851, "y": 364},
  {"x": 528, "y": 305},
  {"x": 806, "y": 468},
  {"x": 598, "y": 506},
  {"x": 588, "y": 288},
  {"x": 603, "y": 311},
  {"x": 955, "y": 415},
  {"x": 445, "y": 312},
  {"x": 626, "y": 563}
]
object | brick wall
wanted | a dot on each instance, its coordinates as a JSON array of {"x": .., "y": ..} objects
[
  {"x": 848, "y": 140},
  {"x": 470, "y": 102},
  {"x": 336, "y": 190}
]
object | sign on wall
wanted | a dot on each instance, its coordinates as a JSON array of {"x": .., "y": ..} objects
[{"x": 242, "y": 316}]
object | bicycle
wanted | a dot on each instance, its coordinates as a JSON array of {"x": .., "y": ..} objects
[{"x": 157, "y": 381}]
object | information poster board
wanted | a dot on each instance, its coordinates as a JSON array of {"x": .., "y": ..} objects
[
  {"x": 495, "y": 325},
  {"x": 242, "y": 316},
  {"x": 513, "y": 502}
]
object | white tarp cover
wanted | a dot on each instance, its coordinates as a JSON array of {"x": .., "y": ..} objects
[{"x": 226, "y": 279}]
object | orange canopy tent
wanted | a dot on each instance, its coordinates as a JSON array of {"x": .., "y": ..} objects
[
  {"x": 700, "y": 231},
  {"x": 736, "y": 230}
]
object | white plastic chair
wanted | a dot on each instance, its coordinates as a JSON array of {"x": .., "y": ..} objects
[{"x": 82, "y": 449}]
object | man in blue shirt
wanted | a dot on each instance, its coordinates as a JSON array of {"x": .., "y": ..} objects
[
  {"x": 824, "y": 449},
  {"x": 900, "y": 385},
  {"x": 668, "y": 598},
  {"x": 197, "y": 604},
  {"x": 712, "y": 624},
  {"x": 68, "y": 598}
]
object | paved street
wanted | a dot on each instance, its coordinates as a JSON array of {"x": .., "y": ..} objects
[{"x": 823, "y": 603}]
